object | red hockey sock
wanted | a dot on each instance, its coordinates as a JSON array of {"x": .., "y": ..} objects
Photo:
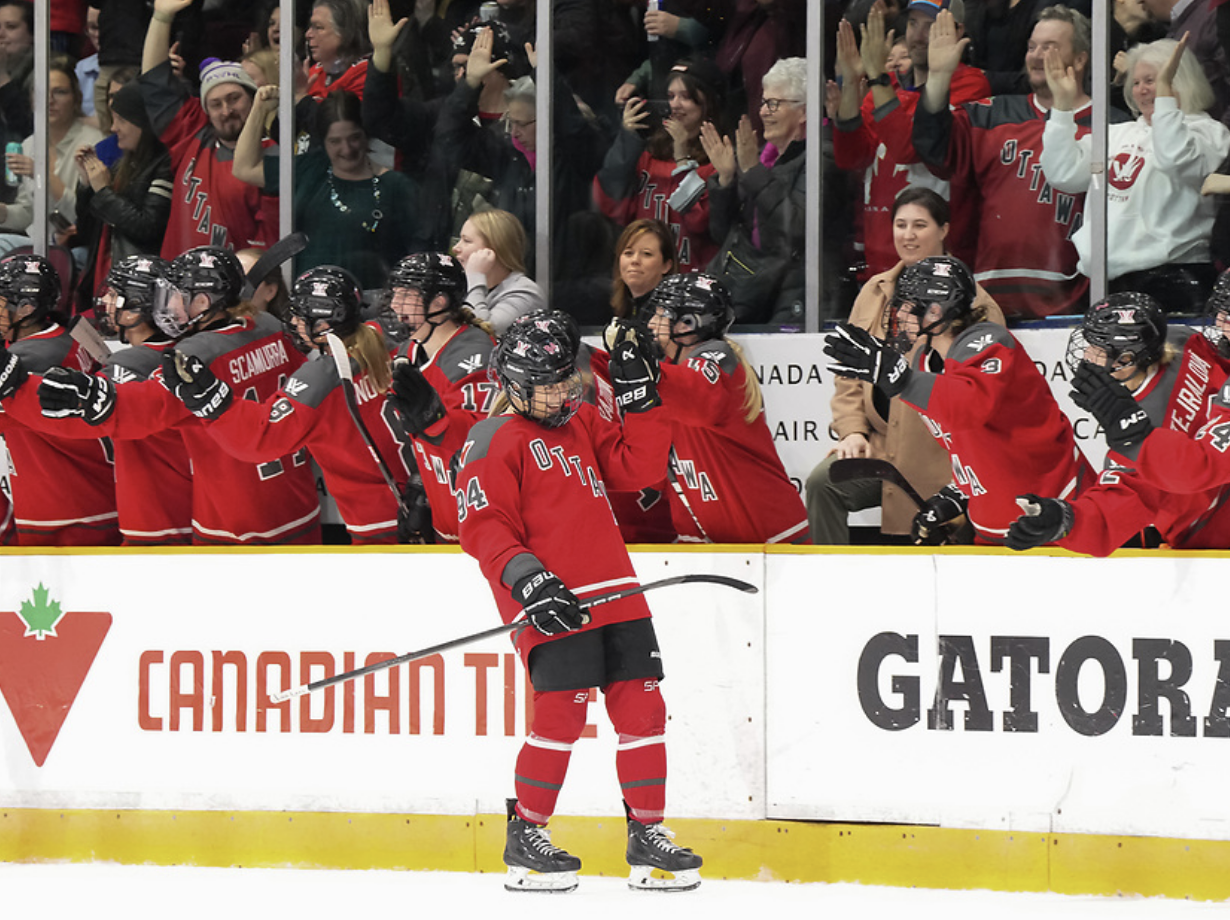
[
  {"x": 559, "y": 719},
  {"x": 638, "y": 713}
]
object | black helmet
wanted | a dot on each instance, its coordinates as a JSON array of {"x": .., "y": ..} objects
[
  {"x": 537, "y": 351},
  {"x": 1129, "y": 328},
  {"x": 131, "y": 284},
  {"x": 30, "y": 279},
  {"x": 431, "y": 274},
  {"x": 327, "y": 295},
  {"x": 1218, "y": 309},
  {"x": 941, "y": 280},
  {"x": 700, "y": 303},
  {"x": 209, "y": 270}
]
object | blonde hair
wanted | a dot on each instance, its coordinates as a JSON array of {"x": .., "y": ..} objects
[
  {"x": 504, "y": 236},
  {"x": 753, "y": 399},
  {"x": 368, "y": 347}
]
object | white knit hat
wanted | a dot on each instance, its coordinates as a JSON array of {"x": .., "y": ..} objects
[{"x": 215, "y": 72}]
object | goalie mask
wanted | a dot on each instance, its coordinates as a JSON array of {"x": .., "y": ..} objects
[
  {"x": 941, "y": 281},
  {"x": 323, "y": 300},
  {"x": 1126, "y": 330},
  {"x": 535, "y": 364},
  {"x": 698, "y": 307},
  {"x": 211, "y": 271},
  {"x": 130, "y": 288},
  {"x": 417, "y": 280},
  {"x": 1217, "y": 313},
  {"x": 28, "y": 281}
]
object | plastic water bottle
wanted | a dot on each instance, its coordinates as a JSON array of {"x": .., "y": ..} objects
[
  {"x": 652, "y": 7},
  {"x": 10, "y": 177},
  {"x": 489, "y": 12}
]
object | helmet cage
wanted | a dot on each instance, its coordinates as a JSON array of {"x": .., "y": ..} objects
[
  {"x": 324, "y": 300},
  {"x": 1216, "y": 326},
  {"x": 535, "y": 364},
  {"x": 431, "y": 274},
  {"x": 1129, "y": 329},
  {"x": 935, "y": 281},
  {"x": 698, "y": 306}
]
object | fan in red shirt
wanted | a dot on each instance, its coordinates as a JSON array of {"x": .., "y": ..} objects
[{"x": 531, "y": 482}]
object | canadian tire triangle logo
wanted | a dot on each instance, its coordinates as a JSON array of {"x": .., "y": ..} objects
[{"x": 45, "y": 654}]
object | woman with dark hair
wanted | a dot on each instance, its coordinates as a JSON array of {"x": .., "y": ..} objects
[
  {"x": 657, "y": 166},
  {"x": 865, "y": 423},
  {"x": 644, "y": 255},
  {"x": 122, "y": 211},
  {"x": 337, "y": 43},
  {"x": 356, "y": 213}
]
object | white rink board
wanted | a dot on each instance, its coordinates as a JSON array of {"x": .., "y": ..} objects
[
  {"x": 117, "y": 748},
  {"x": 828, "y": 760}
]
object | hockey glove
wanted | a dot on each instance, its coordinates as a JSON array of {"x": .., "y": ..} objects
[
  {"x": 1122, "y": 418},
  {"x": 1043, "y": 520},
  {"x": 12, "y": 373},
  {"x": 194, "y": 384},
  {"x": 414, "y": 514},
  {"x": 862, "y": 356},
  {"x": 66, "y": 393},
  {"x": 549, "y": 606},
  {"x": 945, "y": 505},
  {"x": 415, "y": 400}
]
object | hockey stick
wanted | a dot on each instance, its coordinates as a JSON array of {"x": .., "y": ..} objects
[
  {"x": 90, "y": 341},
  {"x": 275, "y": 255},
  {"x": 850, "y": 468},
  {"x": 586, "y": 604},
  {"x": 341, "y": 358}
]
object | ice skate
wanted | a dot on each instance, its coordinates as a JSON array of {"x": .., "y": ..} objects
[
  {"x": 650, "y": 847},
  {"x": 534, "y": 863}
]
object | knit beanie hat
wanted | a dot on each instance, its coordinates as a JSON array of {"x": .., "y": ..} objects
[
  {"x": 215, "y": 72},
  {"x": 129, "y": 104}
]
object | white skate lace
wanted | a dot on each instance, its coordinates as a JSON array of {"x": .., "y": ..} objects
[
  {"x": 540, "y": 840},
  {"x": 660, "y": 836}
]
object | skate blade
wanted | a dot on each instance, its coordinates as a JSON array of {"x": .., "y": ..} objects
[
  {"x": 642, "y": 879},
  {"x": 521, "y": 879}
]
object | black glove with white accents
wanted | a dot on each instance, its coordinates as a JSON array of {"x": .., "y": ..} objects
[
  {"x": 549, "y": 606},
  {"x": 1042, "y": 521},
  {"x": 1122, "y": 418},
  {"x": 12, "y": 373},
  {"x": 417, "y": 403},
  {"x": 194, "y": 384},
  {"x": 634, "y": 366},
  {"x": 66, "y": 393},
  {"x": 860, "y": 355},
  {"x": 946, "y": 505}
]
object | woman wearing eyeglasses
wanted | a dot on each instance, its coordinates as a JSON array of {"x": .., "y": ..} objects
[{"x": 765, "y": 190}]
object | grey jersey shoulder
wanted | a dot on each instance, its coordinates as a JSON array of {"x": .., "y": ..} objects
[
  {"x": 467, "y": 352},
  {"x": 719, "y": 352},
  {"x": 481, "y": 436},
  {"x": 974, "y": 340},
  {"x": 313, "y": 382},
  {"x": 128, "y": 365}
]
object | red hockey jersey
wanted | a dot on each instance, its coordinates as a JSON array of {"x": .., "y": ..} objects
[
  {"x": 309, "y": 411},
  {"x": 63, "y": 490},
  {"x": 1001, "y": 426},
  {"x": 734, "y": 487},
  {"x": 233, "y": 501},
  {"x": 530, "y": 496}
]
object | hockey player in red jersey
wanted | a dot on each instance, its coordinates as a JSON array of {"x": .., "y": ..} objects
[
  {"x": 309, "y": 410},
  {"x": 153, "y": 483},
  {"x": 979, "y": 393},
  {"x": 445, "y": 358},
  {"x": 1123, "y": 337},
  {"x": 728, "y": 483},
  {"x": 530, "y": 482},
  {"x": 63, "y": 490},
  {"x": 233, "y": 502}
]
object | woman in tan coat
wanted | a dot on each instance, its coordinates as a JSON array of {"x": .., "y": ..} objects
[{"x": 865, "y": 424}]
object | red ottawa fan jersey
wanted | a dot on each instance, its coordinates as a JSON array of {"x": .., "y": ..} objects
[
  {"x": 1177, "y": 396},
  {"x": 153, "y": 478},
  {"x": 233, "y": 501},
  {"x": 989, "y": 151},
  {"x": 458, "y": 373},
  {"x": 997, "y": 418},
  {"x": 310, "y": 411},
  {"x": 63, "y": 489},
  {"x": 735, "y": 489},
  {"x": 532, "y": 497}
]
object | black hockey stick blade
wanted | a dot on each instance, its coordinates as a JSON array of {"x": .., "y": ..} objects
[
  {"x": 850, "y": 468},
  {"x": 275, "y": 255},
  {"x": 586, "y": 603}
]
